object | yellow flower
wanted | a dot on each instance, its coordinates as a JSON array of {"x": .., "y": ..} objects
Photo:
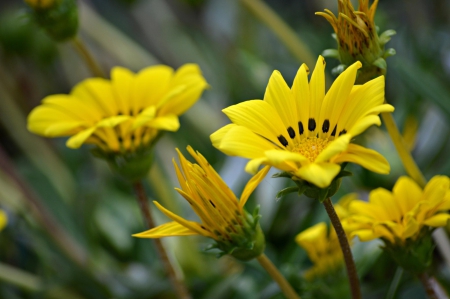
[
  {"x": 223, "y": 217},
  {"x": 357, "y": 38},
  {"x": 122, "y": 114},
  {"x": 322, "y": 244},
  {"x": 323, "y": 249},
  {"x": 3, "y": 219},
  {"x": 400, "y": 215},
  {"x": 39, "y": 4},
  {"x": 302, "y": 130}
]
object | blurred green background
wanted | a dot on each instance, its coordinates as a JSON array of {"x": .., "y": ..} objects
[{"x": 237, "y": 53}]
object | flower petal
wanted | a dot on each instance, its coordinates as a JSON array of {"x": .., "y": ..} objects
[
  {"x": 317, "y": 92},
  {"x": 334, "y": 148},
  {"x": 150, "y": 86},
  {"x": 320, "y": 174},
  {"x": 367, "y": 158},
  {"x": 77, "y": 140},
  {"x": 252, "y": 184},
  {"x": 301, "y": 94},
  {"x": 168, "y": 122},
  {"x": 166, "y": 230},
  {"x": 438, "y": 220},
  {"x": 407, "y": 194},
  {"x": 122, "y": 80}
]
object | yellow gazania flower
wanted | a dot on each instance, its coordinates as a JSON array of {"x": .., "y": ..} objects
[
  {"x": 401, "y": 214},
  {"x": 3, "y": 219},
  {"x": 322, "y": 246},
  {"x": 357, "y": 37},
  {"x": 223, "y": 217},
  {"x": 302, "y": 130},
  {"x": 122, "y": 114}
]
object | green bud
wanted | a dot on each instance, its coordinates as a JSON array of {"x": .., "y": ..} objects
[{"x": 59, "y": 18}]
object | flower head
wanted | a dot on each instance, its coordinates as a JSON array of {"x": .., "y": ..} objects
[
  {"x": 223, "y": 217},
  {"x": 303, "y": 131},
  {"x": 122, "y": 116},
  {"x": 400, "y": 215},
  {"x": 358, "y": 39},
  {"x": 3, "y": 219}
]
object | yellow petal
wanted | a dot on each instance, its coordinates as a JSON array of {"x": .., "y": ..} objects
[
  {"x": 334, "y": 148},
  {"x": 145, "y": 116},
  {"x": 407, "y": 194},
  {"x": 73, "y": 107},
  {"x": 367, "y": 158},
  {"x": 122, "y": 81},
  {"x": 320, "y": 174},
  {"x": 301, "y": 94},
  {"x": 438, "y": 220},
  {"x": 168, "y": 122},
  {"x": 150, "y": 86},
  {"x": 253, "y": 165},
  {"x": 97, "y": 92},
  {"x": 77, "y": 140},
  {"x": 336, "y": 98},
  {"x": 191, "y": 225},
  {"x": 385, "y": 200},
  {"x": 362, "y": 124},
  {"x": 362, "y": 208},
  {"x": 113, "y": 121},
  {"x": 364, "y": 235},
  {"x": 217, "y": 136},
  {"x": 3, "y": 219},
  {"x": 317, "y": 92},
  {"x": 252, "y": 184},
  {"x": 259, "y": 117},
  {"x": 240, "y": 141},
  {"x": 166, "y": 230},
  {"x": 280, "y": 97},
  {"x": 277, "y": 157}
]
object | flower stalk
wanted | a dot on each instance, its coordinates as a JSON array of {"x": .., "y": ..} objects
[
  {"x": 285, "y": 287},
  {"x": 91, "y": 63},
  {"x": 346, "y": 251},
  {"x": 179, "y": 286}
]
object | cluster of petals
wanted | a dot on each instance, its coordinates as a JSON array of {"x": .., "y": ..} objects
[
  {"x": 401, "y": 214},
  {"x": 123, "y": 113},
  {"x": 221, "y": 214},
  {"x": 304, "y": 131}
]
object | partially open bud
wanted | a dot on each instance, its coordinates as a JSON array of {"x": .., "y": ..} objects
[
  {"x": 59, "y": 18},
  {"x": 358, "y": 40}
]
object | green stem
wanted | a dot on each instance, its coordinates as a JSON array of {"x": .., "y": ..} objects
[
  {"x": 394, "y": 284},
  {"x": 408, "y": 162},
  {"x": 179, "y": 286},
  {"x": 277, "y": 276},
  {"x": 281, "y": 29},
  {"x": 346, "y": 251},
  {"x": 88, "y": 58}
]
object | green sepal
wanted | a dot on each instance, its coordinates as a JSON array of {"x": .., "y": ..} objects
[
  {"x": 333, "y": 53},
  {"x": 389, "y": 52},
  {"x": 414, "y": 256},
  {"x": 385, "y": 37},
  {"x": 60, "y": 20},
  {"x": 283, "y": 174},
  {"x": 339, "y": 69},
  {"x": 287, "y": 191},
  {"x": 380, "y": 63}
]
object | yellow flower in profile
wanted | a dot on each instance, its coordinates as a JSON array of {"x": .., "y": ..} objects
[
  {"x": 401, "y": 215},
  {"x": 122, "y": 114},
  {"x": 303, "y": 131},
  {"x": 322, "y": 246},
  {"x": 357, "y": 38},
  {"x": 223, "y": 217},
  {"x": 3, "y": 219}
]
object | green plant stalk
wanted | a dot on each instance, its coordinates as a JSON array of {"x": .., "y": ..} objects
[
  {"x": 408, "y": 162},
  {"x": 394, "y": 284},
  {"x": 179, "y": 286},
  {"x": 281, "y": 29},
  {"x": 87, "y": 57},
  {"x": 346, "y": 251},
  {"x": 285, "y": 287}
]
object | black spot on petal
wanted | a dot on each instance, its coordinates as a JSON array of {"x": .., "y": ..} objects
[
  {"x": 120, "y": 139},
  {"x": 326, "y": 126},
  {"x": 291, "y": 132},
  {"x": 342, "y": 132},
  {"x": 210, "y": 201},
  {"x": 283, "y": 140},
  {"x": 311, "y": 124},
  {"x": 334, "y": 131},
  {"x": 300, "y": 127}
]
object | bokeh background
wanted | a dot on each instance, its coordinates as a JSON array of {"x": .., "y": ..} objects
[{"x": 94, "y": 213}]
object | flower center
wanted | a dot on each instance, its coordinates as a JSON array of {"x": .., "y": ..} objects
[{"x": 310, "y": 147}]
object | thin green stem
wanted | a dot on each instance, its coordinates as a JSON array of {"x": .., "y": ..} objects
[
  {"x": 285, "y": 287},
  {"x": 177, "y": 283},
  {"x": 346, "y": 251},
  {"x": 394, "y": 284},
  {"x": 87, "y": 57},
  {"x": 408, "y": 162},
  {"x": 281, "y": 29}
]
